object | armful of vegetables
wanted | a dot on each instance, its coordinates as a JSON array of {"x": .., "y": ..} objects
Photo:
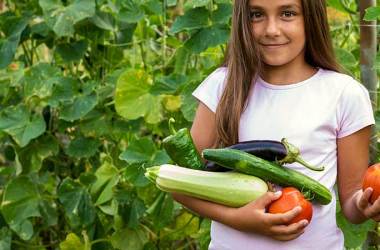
[{"x": 269, "y": 171}]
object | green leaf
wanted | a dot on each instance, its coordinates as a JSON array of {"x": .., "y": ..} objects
[
  {"x": 82, "y": 147},
  {"x": 32, "y": 156},
  {"x": 73, "y": 51},
  {"x": 337, "y": 4},
  {"x": 135, "y": 175},
  {"x": 18, "y": 206},
  {"x": 222, "y": 14},
  {"x": 196, "y": 3},
  {"x": 104, "y": 21},
  {"x": 182, "y": 57},
  {"x": 132, "y": 97},
  {"x": 107, "y": 177},
  {"x": 48, "y": 211},
  {"x": 80, "y": 106},
  {"x": 21, "y": 125},
  {"x": 131, "y": 12},
  {"x": 206, "y": 38},
  {"x": 63, "y": 92},
  {"x": 192, "y": 19},
  {"x": 39, "y": 80},
  {"x": 9, "y": 46},
  {"x": 127, "y": 239},
  {"x": 77, "y": 203},
  {"x": 139, "y": 151},
  {"x": 5, "y": 238},
  {"x": 372, "y": 13},
  {"x": 61, "y": 19},
  {"x": 73, "y": 242},
  {"x": 346, "y": 58},
  {"x": 190, "y": 104},
  {"x": 162, "y": 211},
  {"x": 168, "y": 84}
]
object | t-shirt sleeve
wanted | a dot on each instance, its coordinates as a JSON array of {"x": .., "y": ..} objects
[
  {"x": 354, "y": 109},
  {"x": 211, "y": 89}
]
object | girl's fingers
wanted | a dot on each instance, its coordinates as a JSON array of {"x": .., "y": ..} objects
[
  {"x": 376, "y": 218},
  {"x": 292, "y": 229},
  {"x": 288, "y": 237},
  {"x": 285, "y": 218},
  {"x": 364, "y": 199},
  {"x": 373, "y": 210}
]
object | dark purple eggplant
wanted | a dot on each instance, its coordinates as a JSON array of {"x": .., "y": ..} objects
[{"x": 279, "y": 152}]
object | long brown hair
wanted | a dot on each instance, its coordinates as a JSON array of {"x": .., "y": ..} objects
[{"x": 243, "y": 62}]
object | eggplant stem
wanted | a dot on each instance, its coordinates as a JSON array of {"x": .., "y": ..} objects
[
  {"x": 294, "y": 155},
  {"x": 171, "y": 126}
]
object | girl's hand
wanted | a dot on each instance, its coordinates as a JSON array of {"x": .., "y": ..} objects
[
  {"x": 253, "y": 218},
  {"x": 369, "y": 210}
]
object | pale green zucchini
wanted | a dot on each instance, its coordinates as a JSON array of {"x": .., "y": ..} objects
[{"x": 228, "y": 188}]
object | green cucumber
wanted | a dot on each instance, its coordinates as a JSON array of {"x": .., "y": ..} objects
[
  {"x": 268, "y": 171},
  {"x": 228, "y": 188}
]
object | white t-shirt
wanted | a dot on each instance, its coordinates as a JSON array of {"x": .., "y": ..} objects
[{"x": 311, "y": 114}]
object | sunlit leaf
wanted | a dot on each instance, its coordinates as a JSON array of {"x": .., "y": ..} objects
[
  {"x": 132, "y": 97},
  {"x": 73, "y": 242}
]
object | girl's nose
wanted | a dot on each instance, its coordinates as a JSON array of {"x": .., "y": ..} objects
[{"x": 272, "y": 28}]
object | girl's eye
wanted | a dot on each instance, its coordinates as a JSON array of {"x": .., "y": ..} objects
[
  {"x": 288, "y": 13},
  {"x": 255, "y": 15}
]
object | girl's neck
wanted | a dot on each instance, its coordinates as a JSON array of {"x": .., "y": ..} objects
[{"x": 288, "y": 74}]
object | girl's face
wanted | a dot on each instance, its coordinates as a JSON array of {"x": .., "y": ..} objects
[{"x": 278, "y": 27}]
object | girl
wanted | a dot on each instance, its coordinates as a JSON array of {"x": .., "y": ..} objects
[{"x": 280, "y": 80}]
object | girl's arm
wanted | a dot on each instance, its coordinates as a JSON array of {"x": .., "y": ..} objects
[
  {"x": 251, "y": 217},
  {"x": 353, "y": 158}
]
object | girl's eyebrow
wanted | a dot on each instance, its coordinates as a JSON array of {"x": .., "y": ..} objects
[{"x": 287, "y": 6}]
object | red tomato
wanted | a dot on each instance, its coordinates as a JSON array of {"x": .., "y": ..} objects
[
  {"x": 372, "y": 179},
  {"x": 290, "y": 199}
]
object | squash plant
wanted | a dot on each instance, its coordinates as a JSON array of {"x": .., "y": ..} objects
[{"x": 86, "y": 89}]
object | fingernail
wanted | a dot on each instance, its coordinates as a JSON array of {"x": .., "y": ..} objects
[
  {"x": 278, "y": 193},
  {"x": 305, "y": 222}
]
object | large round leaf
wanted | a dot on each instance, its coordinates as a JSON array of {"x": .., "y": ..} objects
[{"x": 132, "y": 97}]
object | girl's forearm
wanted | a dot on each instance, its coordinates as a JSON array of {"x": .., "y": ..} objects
[
  {"x": 351, "y": 211},
  {"x": 206, "y": 209}
]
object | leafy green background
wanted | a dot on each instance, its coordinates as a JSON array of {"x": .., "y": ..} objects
[{"x": 86, "y": 90}]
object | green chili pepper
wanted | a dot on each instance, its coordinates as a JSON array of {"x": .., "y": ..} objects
[{"x": 181, "y": 149}]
